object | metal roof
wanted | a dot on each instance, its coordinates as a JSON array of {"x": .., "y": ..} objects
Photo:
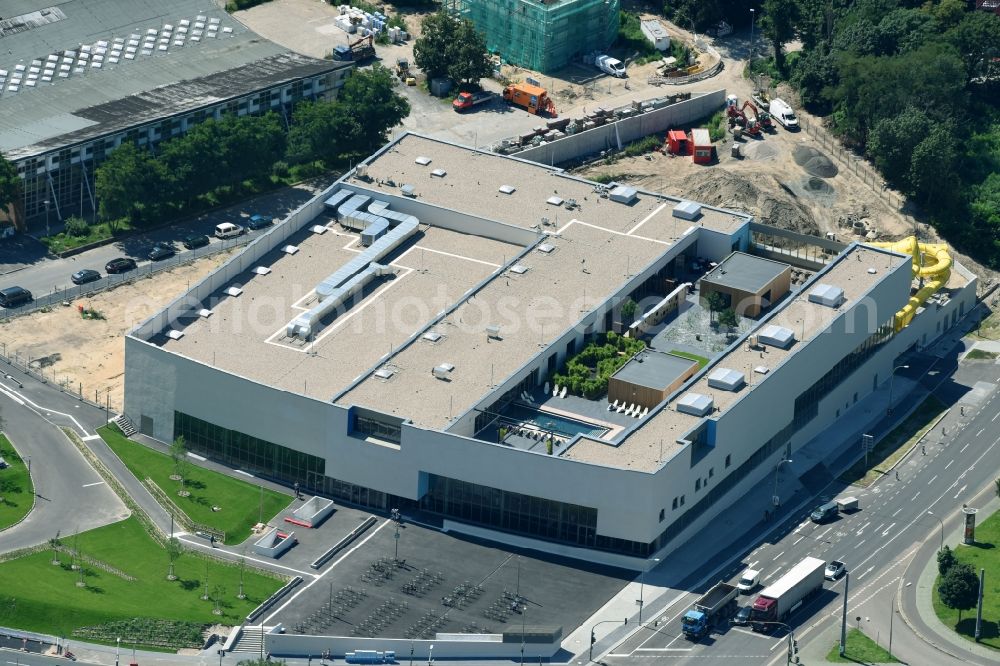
[
  {"x": 745, "y": 272},
  {"x": 97, "y": 101},
  {"x": 655, "y": 370}
]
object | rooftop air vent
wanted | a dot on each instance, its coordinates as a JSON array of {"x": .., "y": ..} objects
[
  {"x": 555, "y": 201},
  {"x": 234, "y": 291},
  {"x": 687, "y": 210},
  {"x": 318, "y": 229},
  {"x": 872, "y": 271},
  {"x": 423, "y": 161},
  {"x": 726, "y": 379},
  {"x": 624, "y": 194},
  {"x": 432, "y": 336},
  {"x": 385, "y": 373},
  {"x": 828, "y": 295},
  {"x": 546, "y": 248},
  {"x": 493, "y": 331},
  {"x": 442, "y": 371},
  {"x": 762, "y": 369},
  {"x": 695, "y": 404},
  {"x": 174, "y": 334},
  {"x": 776, "y": 336},
  {"x": 204, "y": 313},
  {"x": 518, "y": 269},
  {"x": 408, "y": 190},
  {"x": 261, "y": 270},
  {"x": 290, "y": 249},
  {"x": 440, "y": 173},
  {"x": 507, "y": 189}
]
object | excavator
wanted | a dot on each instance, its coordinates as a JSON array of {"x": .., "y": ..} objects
[
  {"x": 931, "y": 264},
  {"x": 762, "y": 117},
  {"x": 738, "y": 118}
]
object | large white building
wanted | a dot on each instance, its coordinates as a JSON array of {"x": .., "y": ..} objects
[{"x": 377, "y": 344}]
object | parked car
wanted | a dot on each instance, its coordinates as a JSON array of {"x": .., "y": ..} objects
[
  {"x": 85, "y": 276},
  {"x": 258, "y": 222},
  {"x": 228, "y": 230},
  {"x": 834, "y": 570},
  {"x": 120, "y": 265},
  {"x": 742, "y": 617},
  {"x": 195, "y": 240},
  {"x": 161, "y": 251},
  {"x": 12, "y": 297}
]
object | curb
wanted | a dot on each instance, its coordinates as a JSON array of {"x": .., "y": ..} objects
[{"x": 912, "y": 448}]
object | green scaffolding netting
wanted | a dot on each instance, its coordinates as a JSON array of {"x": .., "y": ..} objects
[{"x": 543, "y": 36}]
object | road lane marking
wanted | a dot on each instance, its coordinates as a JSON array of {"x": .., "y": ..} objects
[
  {"x": 889, "y": 529},
  {"x": 797, "y": 540},
  {"x": 859, "y": 543},
  {"x": 22, "y": 399},
  {"x": 824, "y": 532},
  {"x": 916, "y": 496},
  {"x": 772, "y": 573},
  {"x": 897, "y": 511},
  {"x": 862, "y": 528},
  {"x": 750, "y": 566},
  {"x": 90, "y": 438},
  {"x": 879, "y": 527},
  {"x": 960, "y": 491},
  {"x": 866, "y": 572},
  {"x": 96, "y": 483},
  {"x": 962, "y": 450},
  {"x": 932, "y": 479},
  {"x": 778, "y": 555},
  {"x": 949, "y": 463}
]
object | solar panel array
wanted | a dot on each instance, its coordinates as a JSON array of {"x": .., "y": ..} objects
[{"x": 107, "y": 53}]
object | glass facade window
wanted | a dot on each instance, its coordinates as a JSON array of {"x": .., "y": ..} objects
[
  {"x": 374, "y": 427},
  {"x": 249, "y": 453}
]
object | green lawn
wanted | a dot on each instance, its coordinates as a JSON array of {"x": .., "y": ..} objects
[
  {"x": 702, "y": 361},
  {"x": 96, "y": 232},
  {"x": 860, "y": 649},
  {"x": 239, "y": 501},
  {"x": 984, "y": 555},
  {"x": 981, "y": 355},
  {"x": 40, "y": 596},
  {"x": 17, "y": 495},
  {"x": 895, "y": 445}
]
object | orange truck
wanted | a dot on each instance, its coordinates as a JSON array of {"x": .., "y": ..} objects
[
  {"x": 467, "y": 100},
  {"x": 531, "y": 98}
]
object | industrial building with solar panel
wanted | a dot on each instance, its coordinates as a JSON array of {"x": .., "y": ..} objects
[
  {"x": 79, "y": 78},
  {"x": 447, "y": 332}
]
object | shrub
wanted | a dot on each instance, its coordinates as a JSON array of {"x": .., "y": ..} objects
[
  {"x": 643, "y": 146},
  {"x": 77, "y": 226},
  {"x": 280, "y": 169}
]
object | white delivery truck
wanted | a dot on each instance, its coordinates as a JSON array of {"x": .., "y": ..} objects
[
  {"x": 609, "y": 65},
  {"x": 782, "y": 112},
  {"x": 781, "y": 598}
]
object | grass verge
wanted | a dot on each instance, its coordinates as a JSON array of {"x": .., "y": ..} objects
[
  {"x": 859, "y": 649},
  {"x": 239, "y": 501},
  {"x": 981, "y": 355},
  {"x": 702, "y": 361},
  {"x": 985, "y": 554},
  {"x": 895, "y": 445},
  {"x": 95, "y": 233},
  {"x": 17, "y": 494},
  {"x": 988, "y": 329},
  {"x": 40, "y": 596}
]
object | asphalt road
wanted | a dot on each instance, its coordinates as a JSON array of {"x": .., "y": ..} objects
[
  {"x": 69, "y": 495},
  {"x": 876, "y": 542},
  {"x": 25, "y": 263}
]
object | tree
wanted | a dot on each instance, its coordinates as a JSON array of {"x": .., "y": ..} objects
[
  {"x": 174, "y": 551},
  {"x": 997, "y": 483},
  {"x": 129, "y": 181},
  {"x": 178, "y": 453},
  {"x": 715, "y": 303},
  {"x": 932, "y": 175},
  {"x": 453, "y": 48},
  {"x": 892, "y": 142},
  {"x": 323, "y": 131},
  {"x": 946, "y": 560},
  {"x": 977, "y": 39},
  {"x": 959, "y": 588},
  {"x": 370, "y": 95},
  {"x": 778, "y": 25},
  {"x": 628, "y": 309},
  {"x": 728, "y": 318},
  {"x": 10, "y": 183}
]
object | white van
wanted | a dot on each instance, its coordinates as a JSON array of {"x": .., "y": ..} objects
[
  {"x": 783, "y": 113},
  {"x": 748, "y": 581},
  {"x": 609, "y": 65},
  {"x": 228, "y": 230}
]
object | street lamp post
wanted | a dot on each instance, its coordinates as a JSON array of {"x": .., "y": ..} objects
[
  {"x": 430, "y": 656},
  {"x": 892, "y": 376},
  {"x": 593, "y": 635},
  {"x": 774, "y": 495},
  {"x": 642, "y": 585},
  {"x": 47, "y": 232},
  {"x": 750, "y": 58},
  {"x": 931, "y": 513},
  {"x": 118, "y": 648}
]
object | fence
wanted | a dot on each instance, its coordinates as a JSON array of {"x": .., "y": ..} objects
[
  {"x": 854, "y": 163},
  {"x": 60, "y": 295}
]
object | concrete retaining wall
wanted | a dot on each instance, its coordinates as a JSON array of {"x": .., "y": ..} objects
[{"x": 617, "y": 134}]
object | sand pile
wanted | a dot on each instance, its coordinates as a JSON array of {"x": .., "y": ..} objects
[{"x": 814, "y": 161}]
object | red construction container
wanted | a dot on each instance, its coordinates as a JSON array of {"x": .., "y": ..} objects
[
  {"x": 703, "y": 150},
  {"x": 677, "y": 142}
]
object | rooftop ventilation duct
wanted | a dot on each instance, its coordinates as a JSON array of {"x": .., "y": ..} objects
[
  {"x": 687, "y": 210},
  {"x": 695, "y": 404},
  {"x": 304, "y": 326},
  {"x": 828, "y": 295},
  {"x": 776, "y": 336},
  {"x": 624, "y": 194},
  {"x": 726, "y": 379},
  {"x": 338, "y": 197}
]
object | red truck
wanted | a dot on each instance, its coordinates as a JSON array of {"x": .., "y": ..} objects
[{"x": 468, "y": 100}]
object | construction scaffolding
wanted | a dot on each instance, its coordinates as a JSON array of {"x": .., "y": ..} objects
[{"x": 542, "y": 36}]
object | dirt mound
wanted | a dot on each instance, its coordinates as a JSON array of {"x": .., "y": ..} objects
[
  {"x": 814, "y": 161},
  {"x": 721, "y": 188},
  {"x": 817, "y": 185},
  {"x": 788, "y": 215},
  {"x": 759, "y": 151}
]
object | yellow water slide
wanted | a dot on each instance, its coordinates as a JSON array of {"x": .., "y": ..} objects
[{"x": 931, "y": 263}]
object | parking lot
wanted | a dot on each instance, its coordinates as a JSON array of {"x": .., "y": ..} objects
[{"x": 434, "y": 583}]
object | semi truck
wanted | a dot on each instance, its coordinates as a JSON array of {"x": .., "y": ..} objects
[
  {"x": 468, "y": 100},
  {"x": 778, "y": 600},
  {"x": 716, "y": 604},
  {"x": 531, "y": 98},
  {"x": 358, "y": 51}
]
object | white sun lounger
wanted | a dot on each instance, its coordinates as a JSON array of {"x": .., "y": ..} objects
[
  {"x": 555, "y": 391},
  {"x": 562, "y": 394},
  {"x": 612, "y": 407},
  {"x": 621, "y": 408}
]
